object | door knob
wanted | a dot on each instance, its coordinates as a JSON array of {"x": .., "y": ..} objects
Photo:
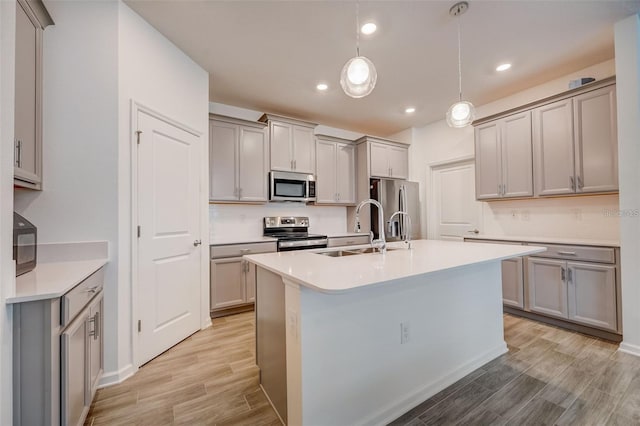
[{"x": 196, "y": 243}]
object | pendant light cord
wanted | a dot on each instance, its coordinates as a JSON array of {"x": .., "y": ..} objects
[
  {"x": 357, "y": 28},
  {"x": 459, "y": 62}
]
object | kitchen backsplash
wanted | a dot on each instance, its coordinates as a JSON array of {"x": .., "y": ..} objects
[
  {"x": 592, "y": 217},
  {"x": 236, "y": 220}
]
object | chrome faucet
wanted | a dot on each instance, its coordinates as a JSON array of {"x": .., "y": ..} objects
[
  {"x": 407, "y": 235},
  {"x": 380, "y": 243}
]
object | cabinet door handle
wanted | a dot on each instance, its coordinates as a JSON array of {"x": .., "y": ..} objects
[
  {"x": 572, "y": 183},
  {"x": 570, "y": 280},
  {"x": 580, "y": 184},
  {"x": 245, "y": 250},
  {"x": 563, "y": 273},
  {"x": 19, "y": 156},
  {"x": 239, "y": 192},
  {"x": 567, "y": 253}
]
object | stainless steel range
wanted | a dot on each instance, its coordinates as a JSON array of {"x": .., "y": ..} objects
[{"x": 292, "y": 233}]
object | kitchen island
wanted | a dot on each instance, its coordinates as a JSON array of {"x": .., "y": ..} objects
[{"x": 361, "y": 339}]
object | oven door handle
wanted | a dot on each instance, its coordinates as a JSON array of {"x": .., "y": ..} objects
[{"x": 302, "y": 243}]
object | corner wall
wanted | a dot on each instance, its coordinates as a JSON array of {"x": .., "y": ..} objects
[
  {"x": 627, "y": 42},
  {"x": 7, "y": 269},
  {"x": 577, "y": 217},
  {"x": 78, "y": 201}
]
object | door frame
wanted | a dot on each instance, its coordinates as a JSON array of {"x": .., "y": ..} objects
[
  {"x": 432, "y": 168},
  {"x": 136, "y": 109}
]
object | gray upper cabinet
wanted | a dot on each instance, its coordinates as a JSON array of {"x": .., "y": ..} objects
[
  {"x": 554, "y": 151},
  {"x": 596, "y": 140},
  {"x": 563, "y": 145},
  {"x": 31, "y": 20},
  {"x": 238, "y": 160},
  {"x": 335, "y": 171},
  {"x": 292, "y": 144},
  {"x": 389, "y": 161},
  {"x": 576, "y": 144},
  {"x": 504, "y": 158}
]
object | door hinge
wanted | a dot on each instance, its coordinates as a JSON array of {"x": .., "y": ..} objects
[
  {"x": 138, "y": 231},
  {"x": 139, "y": 326},
  {"x": 138, "y": 133}
]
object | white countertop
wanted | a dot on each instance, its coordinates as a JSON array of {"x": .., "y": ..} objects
[
  {"x": 338, "y": 274},
  {"x": 52, "y": 280},
  {"x": 550, "y": 240}
]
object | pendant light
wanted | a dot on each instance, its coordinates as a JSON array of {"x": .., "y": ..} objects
[
  {"x": 462, "y": 113},
  {"x": 358, "y": 76}
]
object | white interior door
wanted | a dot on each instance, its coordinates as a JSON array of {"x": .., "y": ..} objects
[
  {"x": 168, "y": 254},
  {"x": 454, "y": 209}
]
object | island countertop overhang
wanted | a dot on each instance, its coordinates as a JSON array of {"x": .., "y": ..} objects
[{"x": 340, "y": 274}]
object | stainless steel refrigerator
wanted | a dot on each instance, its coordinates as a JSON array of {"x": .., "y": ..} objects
[{"x": 396, "y": 195}]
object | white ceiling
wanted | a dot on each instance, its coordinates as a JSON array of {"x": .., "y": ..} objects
[{"x": 269, "y": 55}]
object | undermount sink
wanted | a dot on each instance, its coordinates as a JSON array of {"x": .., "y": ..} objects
[{"x": 352, "y": 252}]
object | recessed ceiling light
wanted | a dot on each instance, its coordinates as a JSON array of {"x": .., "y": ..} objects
[
  {"x": 322, "y": 86},
  {"x": 410, "y": 110},
  {"x": 368, "y": 28},
  {"x": 503, "y": 67}
]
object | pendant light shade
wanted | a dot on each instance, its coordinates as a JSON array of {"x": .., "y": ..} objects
[
  {"x": 358, "y": 77},
  {"x": 461, "y": 113}
]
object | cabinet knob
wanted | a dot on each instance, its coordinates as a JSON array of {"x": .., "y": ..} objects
[{"x": 196, "y": 243}]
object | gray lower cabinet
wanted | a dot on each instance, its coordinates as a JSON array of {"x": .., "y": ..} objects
[
  {"x": 547, "y": 287},
  {"x": 58, "y": 355},
  {"x": 233, "y": 281},
  {"x": 579, "y": 291},
  {"x": 513, "y": 283}
]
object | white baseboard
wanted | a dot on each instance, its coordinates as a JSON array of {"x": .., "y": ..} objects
[
  {"x": 628, "y": 348},
  {"x": 408, "y": 401},
  {"x": 115, "y": 377}
]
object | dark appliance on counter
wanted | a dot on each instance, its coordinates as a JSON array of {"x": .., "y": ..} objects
[
  {"x": 292, "y": 233},
  {"x": 25, "y": 244},
  {"x": 396, "y": 195},
  {"x": 290, "y": 186}
]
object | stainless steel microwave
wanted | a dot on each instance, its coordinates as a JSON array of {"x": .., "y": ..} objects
[
  {"x": 25, "y": 244},
  {"x": 290, "y": 186}
]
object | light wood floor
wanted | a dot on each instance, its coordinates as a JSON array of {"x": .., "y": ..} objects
[
  {"x": 550, "y": 376},
  {"x": 208, "y": 379}
]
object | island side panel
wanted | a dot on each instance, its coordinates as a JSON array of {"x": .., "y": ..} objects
[
  {"x": 270, "y": 338},
  {"x": 355, "y": 369}
]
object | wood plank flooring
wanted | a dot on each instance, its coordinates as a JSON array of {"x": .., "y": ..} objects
[
  {"x": 550, "y": 376},
  {"x": 208, "y": 379}
]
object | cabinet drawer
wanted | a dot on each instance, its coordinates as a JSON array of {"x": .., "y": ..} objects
[
  {"x": 591, "y": 254},
  {"x": 236, "y": 250},
  {"x": 348, "y": 241},
  {"x": 77, "y": 298}
]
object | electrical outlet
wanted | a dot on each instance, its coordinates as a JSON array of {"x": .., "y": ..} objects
[{"x": 404, "y": 333}]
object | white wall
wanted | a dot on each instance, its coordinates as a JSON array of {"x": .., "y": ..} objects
[
  {"x": 155, "y": 73},
  {"x": 80, "y": 133},
  {"x": 578, "y": 217},
  {"x": 7, "y": 271},
  {"x": 627, "y": 42}
]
